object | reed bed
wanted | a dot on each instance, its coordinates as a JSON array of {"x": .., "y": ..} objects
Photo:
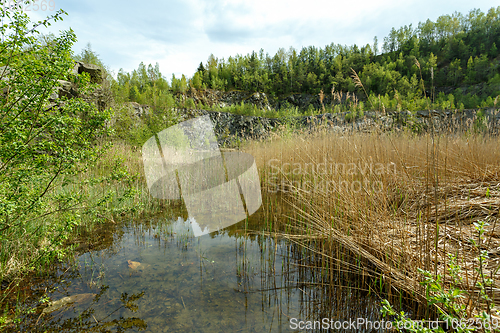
[{"x": 381, "y": 206}]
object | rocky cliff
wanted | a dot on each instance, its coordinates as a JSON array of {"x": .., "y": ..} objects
[
  {"x": 263, "y": 101},
  {"x": 231, "y": 128},
  {"x": 67, "y": 89},
  {"x": 101, "y": 96}
]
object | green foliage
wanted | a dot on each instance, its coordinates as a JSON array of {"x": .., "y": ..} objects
[
  {"x": 44, "y": 147},
  {"x": 310, "y": 110},
  {"x": 148, "y": 87},
  {"x": 417, "y": 64},
  {"x": 88, "y": 56},
  {"x": 179, "y": 85},
  {"x": 38, "y": 143},
  {"x": 196, "y": 82},
  {"x": 135, "y": 129},
  {"x": 138, "y": 85},
  {"x": 480, "y": 124},
  {"x": 190, "y": 104}
]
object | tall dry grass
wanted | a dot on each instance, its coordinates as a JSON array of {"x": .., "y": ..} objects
[{"x": 386, "y": 205}]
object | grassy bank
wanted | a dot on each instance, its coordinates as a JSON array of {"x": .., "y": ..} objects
[{"x": 76, "y": 206}]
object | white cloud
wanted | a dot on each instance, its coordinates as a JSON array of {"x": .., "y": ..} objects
[{"x": 179, "y": 34}]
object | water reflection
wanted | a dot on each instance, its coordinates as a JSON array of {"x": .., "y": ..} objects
[{"x": 155, "y": 276}]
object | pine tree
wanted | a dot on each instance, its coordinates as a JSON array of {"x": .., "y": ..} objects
[
  {"x": 196, "y": 81},
  {"x": 493, "y": 50}
]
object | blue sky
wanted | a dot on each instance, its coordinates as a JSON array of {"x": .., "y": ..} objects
[{"x": 179, "y": 34}]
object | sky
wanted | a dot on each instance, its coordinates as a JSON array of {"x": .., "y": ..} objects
[{"x": 179, "y": 34}]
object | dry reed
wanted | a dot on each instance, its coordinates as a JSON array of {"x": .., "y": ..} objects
[{"x": 396, "y": 202}]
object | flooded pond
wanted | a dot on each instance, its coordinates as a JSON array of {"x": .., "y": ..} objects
[{"x": 155, "y": 276}]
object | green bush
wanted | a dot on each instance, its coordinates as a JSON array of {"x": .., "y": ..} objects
[{"x": 45, "y": 147}]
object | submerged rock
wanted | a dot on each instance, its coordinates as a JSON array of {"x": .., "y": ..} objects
[
  {"x": 65, "y": 301},
  {"x": 135, "y": 265}
]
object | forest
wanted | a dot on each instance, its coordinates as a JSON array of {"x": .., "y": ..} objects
[{"x": 450, "y": 63}]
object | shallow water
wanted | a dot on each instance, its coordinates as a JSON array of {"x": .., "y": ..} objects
[{"x": 154, "y": 276}]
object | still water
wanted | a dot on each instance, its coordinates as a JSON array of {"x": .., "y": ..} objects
[{"x": 155, "y": 276}]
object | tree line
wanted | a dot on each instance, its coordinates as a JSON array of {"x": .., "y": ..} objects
[{"x": 415, "y": 63}]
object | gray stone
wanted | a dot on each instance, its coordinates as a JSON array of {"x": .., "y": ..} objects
[
  {"x": 66, "y": 89},
  {"x": 54, "y": 95},
  {"x": 423, "y": 113},
  {"x": 94, "y": 71},
  {"x": 138, "y": 109}
]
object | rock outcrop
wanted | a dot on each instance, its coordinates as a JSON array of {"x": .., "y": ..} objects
[
  {"x": 211, "y": 97},
  {"x": 231, "y": 128},
  {"x": 67, "y": 89},
  {"x": 263, "y": 101},
  {"x": 94, "y": 71},
  {"x": 139, "y": 110}
]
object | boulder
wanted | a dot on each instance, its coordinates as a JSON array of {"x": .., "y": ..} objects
[
  {"x": 423, "y": 113},
  {"x": 66, "y": 89},
  {"x": 260, "y": 100},
  {"x": 94, "y": 71},
  {"x": 67, "y": 301}
]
